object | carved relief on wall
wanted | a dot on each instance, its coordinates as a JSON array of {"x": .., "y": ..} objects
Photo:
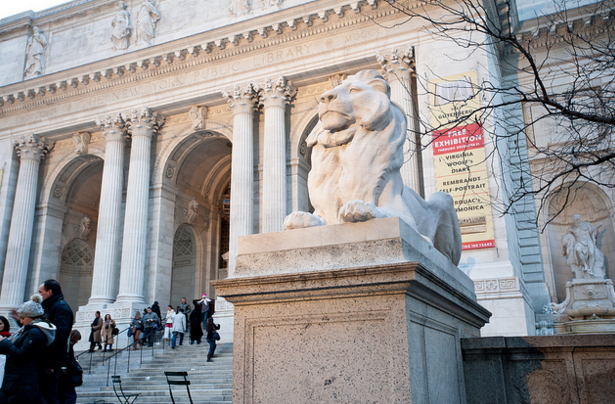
[
  {"x": 146, "y": 22},
  {"x": 35, "y": 54},
  {"x": 272, "y": 3},
  {"x": 84, "y": 227},
  {"x": 81, "y": 141},
  {"x": 239, "y": 7},
  {"x": 193, "y": 211},
  {"x": 197, "y": 116},
  {"x": 121, "y": 28}
]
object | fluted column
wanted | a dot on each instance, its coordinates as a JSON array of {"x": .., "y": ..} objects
[
  {"x": 142, "y": 125},
  {"x": 398, "y": 69},
  {"x": 242, "y": 102},
  {"x": 109, "y": 211},
  {"x": 274, "y": 97},
  {"x": 30, "y": 149}
]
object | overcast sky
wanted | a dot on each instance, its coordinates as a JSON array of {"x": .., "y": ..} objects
[{"x": 12, "y": 7}]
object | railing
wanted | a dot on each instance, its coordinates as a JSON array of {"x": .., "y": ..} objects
[{"x": 106, "y": 360}]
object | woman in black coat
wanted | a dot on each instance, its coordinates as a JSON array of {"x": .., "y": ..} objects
[
  {"x": 211, "y": 329},
  {"x": 23, "y": 352},
  {"x": 195, "y": 327}
]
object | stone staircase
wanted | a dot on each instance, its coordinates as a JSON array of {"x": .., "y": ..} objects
[{"x": 211, "y": 382}]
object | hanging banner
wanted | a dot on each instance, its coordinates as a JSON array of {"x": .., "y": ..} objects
[{"x": 459, "y": 156}]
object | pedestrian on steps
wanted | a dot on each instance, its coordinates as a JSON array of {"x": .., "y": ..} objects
[
  {"x": 168, "y": 327},
  {"x": 150, "y": 321},
  {"x": 211, "y": 337},
  {"x": 107, "y": 332},
  {"x": 196, "y": 332},
  {"x": 179, "y": 328},
  {"x": 136, "y": 326},
  {"x": 95, "y": 336}
]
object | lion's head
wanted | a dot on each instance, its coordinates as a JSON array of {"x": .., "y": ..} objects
[{"x": 362, "y": 100}]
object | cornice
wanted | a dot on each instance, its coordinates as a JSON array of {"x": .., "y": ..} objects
[
  {"x": 53, "y": 88},
  {"x": 61, "y": 12},
  {"x": 547, "y": 33}
]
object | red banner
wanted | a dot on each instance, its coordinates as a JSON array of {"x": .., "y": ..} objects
[{"x": 458, "y": 139}]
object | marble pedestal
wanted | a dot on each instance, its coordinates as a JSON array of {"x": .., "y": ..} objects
[{"x": 361, "y": 312}]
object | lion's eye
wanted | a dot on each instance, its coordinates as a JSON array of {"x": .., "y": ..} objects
[{"x": 354, "y": 90}]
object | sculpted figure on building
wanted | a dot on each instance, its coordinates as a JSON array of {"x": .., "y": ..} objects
[
  {"x": 84, "y": 227},
  {"x": 198, "y": 114},
  {"x": 239, "y": 7},
  {"x": 81, "y": 141},
  {"x": 193, "y": 211},
  {"x": 35, "y": 54},
  {"x": 580, "y": 250},
  {"x": 121, "y": 28},
  {"x": 356, "y": 159},
  {"x": 146, "y": 22},
  {"x": 272, "y": 3}
]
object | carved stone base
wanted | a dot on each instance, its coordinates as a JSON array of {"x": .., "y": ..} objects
[
  {"x": 591, "y": 326},
  {"x": 385, "y": 332},
  {"x": 589, "y": 308}
]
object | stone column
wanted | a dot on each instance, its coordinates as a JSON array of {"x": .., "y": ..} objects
[
  {"x": 398, "y": 69},
  {"x": 243, "y": 103},
  {"x": 109, "y": 211},
  {"x": 30, "y": 149},
  {"x": 142, "y": 126},
  {"x": 274, "y": 97}
]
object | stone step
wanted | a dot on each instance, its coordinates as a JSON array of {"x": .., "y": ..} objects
[{"x": 211, "y": 382}]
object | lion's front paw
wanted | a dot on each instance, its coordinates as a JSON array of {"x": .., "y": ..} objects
[
  {"x": 359, "y": 211},
  {"x": 299, "y": 220}
]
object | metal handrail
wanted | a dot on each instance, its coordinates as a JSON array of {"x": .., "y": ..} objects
[
  {"x": 92, "y": 352},
  {"x": 106, "y": 360}
]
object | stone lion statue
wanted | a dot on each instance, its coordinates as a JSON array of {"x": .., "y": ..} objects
[{"x": 356, "y": 159}]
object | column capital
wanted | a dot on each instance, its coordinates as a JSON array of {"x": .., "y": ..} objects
[
  {"x": 32, "y": 147},
  {"x": 114, "y": 128},
  {"x": 143, "y": 122},
  {"x": 242, "y": 100},
  {"x": 278, "y": 93},
  {"x": 397, "y": 63}
]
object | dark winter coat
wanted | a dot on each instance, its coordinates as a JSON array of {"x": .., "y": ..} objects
[
  {"x": 21, "y": 380},
  {"x": 210, "y": 331},
  {"x": 195, "y": 325},
  {"x": 58, "y": 312}
]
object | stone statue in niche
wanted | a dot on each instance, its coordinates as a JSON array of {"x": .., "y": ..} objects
[
  {"x": 121, "y": 28},
  {"x": 146, "y": 22},
  {"x": 35, "y": 54},
  {"x": 589, "y": 306},
  {"x": 580, "y": 250},
  {"x": 81, "y": 141},
  {"x": 356, "y": 159},
  {"x": 83, "y": 228},
  {"x": 193, "y": 211},
  {"x": 197, "y": 116},
  {"x": 239, "y": 7}
]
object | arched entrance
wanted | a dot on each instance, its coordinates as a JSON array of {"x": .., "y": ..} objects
[
  {"x": 76, "y": 272},
  {"x": 184, "y": 264},
  {"x": 198, "y": 171},
  {"x": 65, "y": 249}
]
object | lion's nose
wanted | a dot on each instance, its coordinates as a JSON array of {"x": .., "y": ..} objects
[{"x": 328, "y": 96}]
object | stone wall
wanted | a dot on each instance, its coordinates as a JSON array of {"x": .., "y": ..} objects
[{"x": 540, "y": 370}]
